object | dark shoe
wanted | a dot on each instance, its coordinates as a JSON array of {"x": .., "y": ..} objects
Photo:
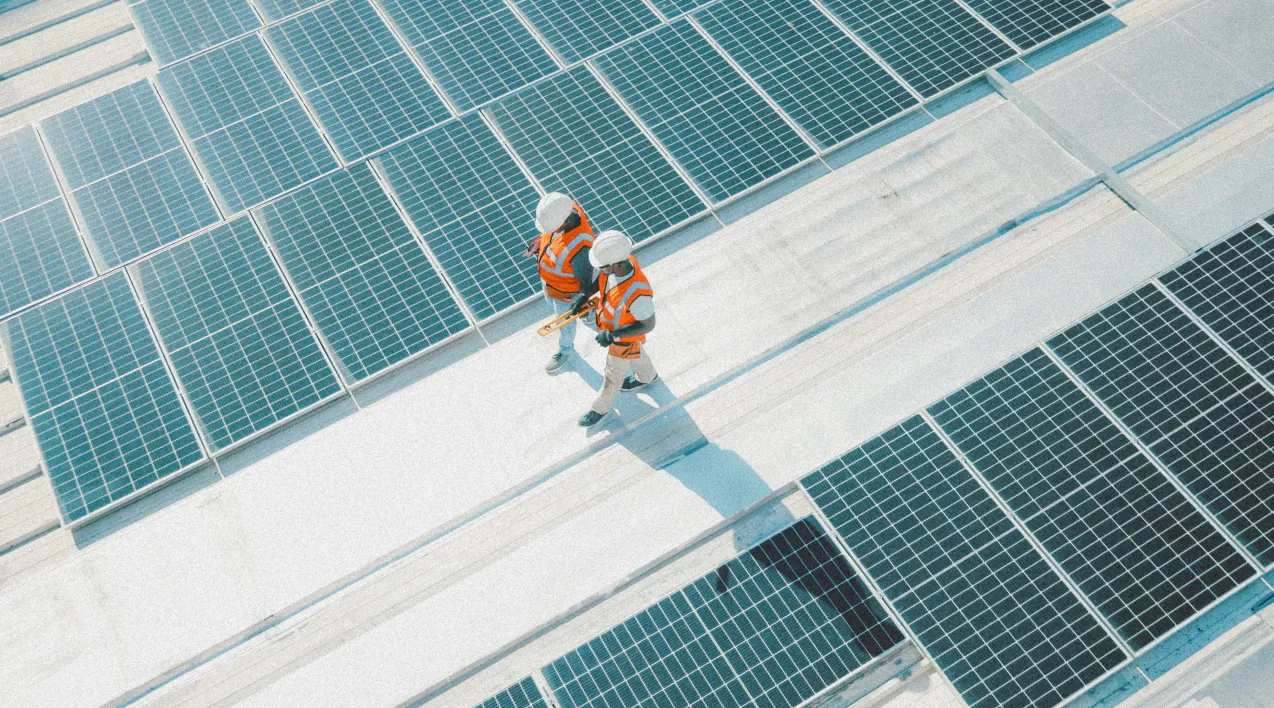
[
  {"x": 557, "y": 362},
  {"x": 590, "y": 419},
  {"x": 632, "y": 384}
]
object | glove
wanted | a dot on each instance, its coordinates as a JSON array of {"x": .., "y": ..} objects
[
  {"x": 606, "y": 338},
  {"x": 579, "y": 303}
]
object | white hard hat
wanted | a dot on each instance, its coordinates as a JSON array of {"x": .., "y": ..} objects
[
  {"x": 609, "y": 247},
  {"x": 552, "y": 212}
]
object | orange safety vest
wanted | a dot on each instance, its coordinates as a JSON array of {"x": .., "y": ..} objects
[
  {"x": 556, "y": 252},
  {"x": 612, "y": 306}
]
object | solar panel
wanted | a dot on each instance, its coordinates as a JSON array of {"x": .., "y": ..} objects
[
  {"x": 578, "y": 29},
  {"x": 1145, "y": 359},
  {"x": 1230, "y": 286},
  {"x": 476, "y": 49},
  {"x": 364, "y": 88},
  {"x": 474, "y": 208},
  {"x": 175, "y": 29},
  {"x": 1130, "y": 540},
  {"x": 130, "y": 178},
  {"x": 26, "y": 179},
  {"x": 932, "y": 44},
  {"x": 673, "y": 8},
  {"x": 40, "y": 251},
  {"x": 373, "y": 294},
  {"x": 1030, "y": 22},
  {"x": 105, "y": 413},
  {"x": 275, "y": 10},
  {"x": 236, "y": 337},
  {"x": 576, "y": 139},
  {"x": 248, "y": 128},
  {"x": 999, "y": 622},
  {"x": 812, "y": 69},
  {"x": 772, "y": 627},
  {"x": 523, "y": 694},
  {"x": 1187, "y": 400},
  {"x": 711, "y": 120}
]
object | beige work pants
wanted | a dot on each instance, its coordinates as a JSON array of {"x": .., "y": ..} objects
[{"x": 613, "y": 378}]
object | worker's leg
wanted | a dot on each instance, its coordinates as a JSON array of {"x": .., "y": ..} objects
[
  {"x": 612, "y": 379},
  {"x": 644, "y": 368},
  {"x": 565, "y": 335}
]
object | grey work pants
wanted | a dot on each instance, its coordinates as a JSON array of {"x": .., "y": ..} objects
[{"x": 613, "y": 378}]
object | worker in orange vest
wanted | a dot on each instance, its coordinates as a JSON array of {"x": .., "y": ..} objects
[
  {"x": 625, "y": 312},
  {"x": 561, "y": 253}
]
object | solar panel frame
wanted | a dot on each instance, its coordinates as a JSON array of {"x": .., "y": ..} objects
[
  {"x": 932, "y": 44},
  {"x": 1230, "y": 287},
  {"x": 133, "y": 186},
  {"x": 997, "y": 642},
  {"x": 373, "y": 294},
  {"x": 713, "y": 123},
  {"x": 453, "y": 39},
  {"x": 815, "y": 72},
  {"x": 473, "y": 206},
  {"x": 219, "y": 303},
  {"x": 176, "y": 29},
  {"x": 1133, "y": 543},
  {"x": 249, "y": 130},
  {"x": 107, "y": 416},
  {"x": 364, "y": 88},
  {"x": 575, "y": 139},
  {"x": 578, "y": 29},
  {"x": 1028, "y": 23}
]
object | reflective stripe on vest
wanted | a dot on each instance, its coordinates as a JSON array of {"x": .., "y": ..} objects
[
  {"x": 571, "y": 248},
  {"x": 554, "y": 263}
]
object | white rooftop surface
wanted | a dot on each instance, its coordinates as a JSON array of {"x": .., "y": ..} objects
[{"x": 904, "y": 245}]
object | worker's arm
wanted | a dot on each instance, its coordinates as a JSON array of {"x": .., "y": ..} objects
[
  {"x": 636, "y": 328},
  {"x": 588, "y": 283}
]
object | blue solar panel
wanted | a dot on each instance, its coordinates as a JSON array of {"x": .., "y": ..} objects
[
  {"x": 578, "y": 29},
  {"x": 576, "y": 139},
  {"x": 932, "y": 44},
  {"x": 364, "y": 88},
  {"x": 135, "y": 187},
  {"x": 106, "y": 415},
  {"x": 373, "y": 293},
  {"x": 40, "y": 251},
  {"x": 476, "y": 49},
  {"x": 474, "y": 208},
  {"x": 275, "y": 10},
  {"x": 523, "y": 694},
  {"x": 1131, "y": 541},
  {"x": 174, "y": 29},
  {"x": 712, "y": 121},
  {"x": 237, "y": 339},
  {"x": 1030, "y": 22},
  {"x": 812, "y": 69},
  {"x": 986, "y": 605},
  {"x": 248, "y": 128}
]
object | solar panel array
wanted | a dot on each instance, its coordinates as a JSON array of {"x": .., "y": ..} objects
[
  {"x": 391, "y": 153},
  {"x": 1056, "y": 518}
]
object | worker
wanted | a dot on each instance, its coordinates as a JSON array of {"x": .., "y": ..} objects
[
  {"x": 561, "y": 253},
  {"x": 625, "y": 313}
]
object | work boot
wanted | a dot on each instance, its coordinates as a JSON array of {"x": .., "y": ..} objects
[
  {"x": 590, "y": 419},
  {"x": 557, "y": 362},
  {"x": 632, "y": 384}
]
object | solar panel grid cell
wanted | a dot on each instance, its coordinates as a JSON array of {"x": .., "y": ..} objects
[
  {"x": 40, "y": 254},
  {"x": 473, "y": 206},
  {"x": 1030, "y": 22},
  {"x": 1230, "y": 286},
  {"x": 811, "y": 69},
  {"x": 364, "y": 88},
  {"x": 237, "y": 339},
  {"x": 247, "y": 126},
  {"x": 476, "y": 49},
  {"x": 26, "y": 180},
  {"x": 275, "y": 10},
  {"x": 932, "y": 44},
  {"x": 175, "y": 29},
  {"x": 1133, "y": 543},
  {"x": 578, "y": 29},
  {"x": 372, "y": 291},
  {"x": 714, "y": 123},
  {"x": 105, "y": 413},
  {"x": 576, "y": 139}
]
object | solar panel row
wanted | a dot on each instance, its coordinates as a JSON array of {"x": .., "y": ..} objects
[{"x": 1142, "y": 470}]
